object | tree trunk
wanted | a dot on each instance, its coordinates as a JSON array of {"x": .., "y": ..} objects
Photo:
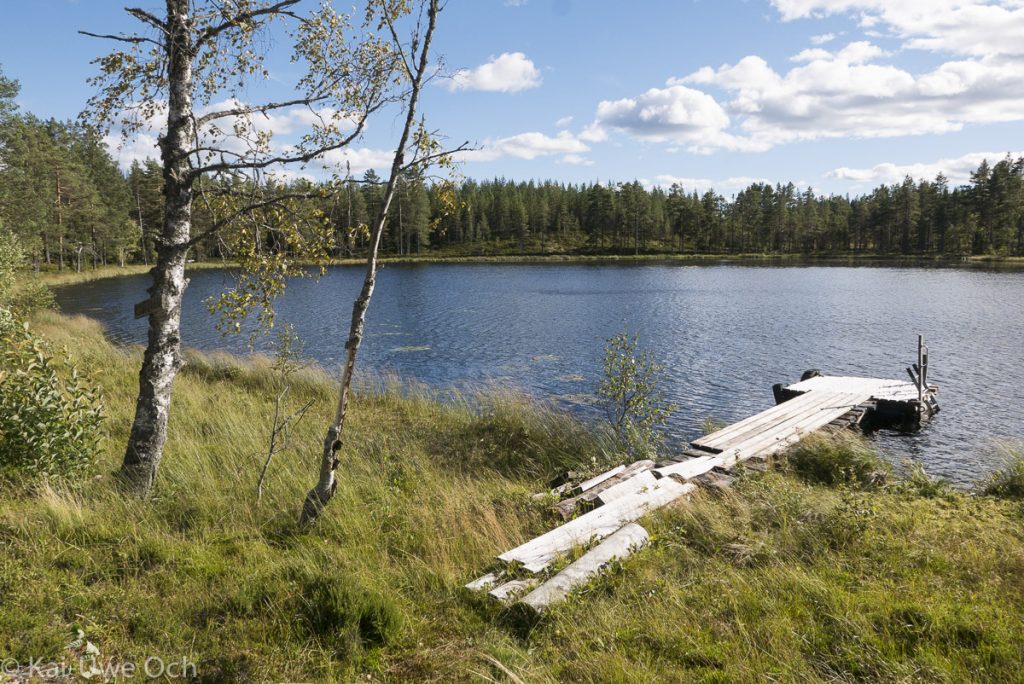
[
  {"x": 326, "y": 485},
  {"x": 162, "y": 357}
]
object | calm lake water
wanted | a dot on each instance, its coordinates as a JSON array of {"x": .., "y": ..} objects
[{"x": 725, "y": 333}]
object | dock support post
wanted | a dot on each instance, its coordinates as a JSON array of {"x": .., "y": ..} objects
[{"x": 921, "y": 370}]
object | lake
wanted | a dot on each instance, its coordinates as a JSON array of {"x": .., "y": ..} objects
[{"x": 725, "y": 333}]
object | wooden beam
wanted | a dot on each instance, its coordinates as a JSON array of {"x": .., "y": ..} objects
[
  {"x": 619, "y": 545},
  {"x": 537, "y": 554}
]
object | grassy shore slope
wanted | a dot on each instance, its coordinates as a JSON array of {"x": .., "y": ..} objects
[{"x": 778, "y": 578}]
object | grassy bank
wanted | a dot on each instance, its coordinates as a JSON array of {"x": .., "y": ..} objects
[{"x": 779, "y": 578}]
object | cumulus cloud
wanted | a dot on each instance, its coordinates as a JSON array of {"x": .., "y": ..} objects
[
  {"x": 529, "y": 146},
  {"x": 676, "y": 113},
  {"x": 563, "y": 122},
  {"x": 724, "y": 185},
  {"x": 967, "y": 27},
  {"x": 957, "y": 170},
  {"x": 509, "y": 72},
  {"x": 577, "y": 160},
  {"x": 851, "y": 91},
  {"x": 359, "y": 159},
  {"x": 846, "y": 93}
]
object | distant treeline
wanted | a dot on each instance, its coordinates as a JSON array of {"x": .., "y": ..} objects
[{"x": 64, "y": 196}]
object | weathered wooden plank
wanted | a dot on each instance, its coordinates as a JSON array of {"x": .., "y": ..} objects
[
  {"x": 892, "y": 390},
  {"x": 485, "y": 582},
  {"x": 508, "y": 591},
  {"x": 686, "y": 470},
  {"x": 567, "y": 507},
  {"x": 769, "y": 443},
  {"x": 766, "y": 417},
  {"x": 824, "y": 402},
  {"x": 619, "y": 545},
  {"x": 763, "y": 416},
  {"x": 598, "y": 479},
  {"x": 538, "y": 553},
  {"x": 626, "y": 487},
  {"x": 724, "y": 439}
]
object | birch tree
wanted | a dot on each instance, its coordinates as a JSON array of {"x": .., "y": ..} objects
[
  {"x": 185, "y": 73},
  {"x": 423, "y": 149}
]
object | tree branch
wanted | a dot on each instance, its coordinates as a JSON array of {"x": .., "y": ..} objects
[
  {"x": 147, "y": 18},
  {"x": 214, "y": 31},
  {"x": 263, "y": 109},
  {"x": 464, "y": 147},
  {"x": 124, "y": 39},
  {"x": 254, "y": 206},
  {"x": 305, "y": 157}
]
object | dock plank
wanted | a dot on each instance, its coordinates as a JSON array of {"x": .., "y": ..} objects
[
  {"x": 891, "y": 390},
  {"x": 538, "y": 553},
  {"x": 771, "y": 442},
  {"x": 618, "y": 545},
  {"x": 686, "y": 470},
  {"x": 722, "y": 439}
]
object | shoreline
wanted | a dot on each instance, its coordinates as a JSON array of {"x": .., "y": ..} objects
[{"x": 69, "y": 277}]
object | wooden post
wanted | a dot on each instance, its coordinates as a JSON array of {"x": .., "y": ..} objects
[{"x": 921, "y": 370}]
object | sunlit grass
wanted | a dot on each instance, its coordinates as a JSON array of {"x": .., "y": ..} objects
[{"x": 780, "y": 578}]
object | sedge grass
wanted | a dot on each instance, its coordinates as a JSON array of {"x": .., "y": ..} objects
[{"x": 781, "y": 578}]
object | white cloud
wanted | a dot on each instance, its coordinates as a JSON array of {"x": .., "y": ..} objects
[
  {"x": 853, "y": 91},
  {"x": 509, "y": 72},
  {"x": 140, "y": 148},
  {"x": 676, "y": 113},
  {"x": 563, "y": 122},
  {"x": 725, "y": 185},
  {"x": 966, "y": 27},
  {"x": 957, "y": 170},
  {"x": 846, "y": 94},
  {"x": 577, "y": 160},
  {"x": 359, "y": 159},
  {"x": 528, "y": 146},
  {"x": 593, "y": 132}
]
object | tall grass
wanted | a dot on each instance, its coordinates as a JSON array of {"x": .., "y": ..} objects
[{"x": 781, "y": 579}]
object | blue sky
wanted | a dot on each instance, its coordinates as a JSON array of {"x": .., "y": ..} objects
[{"x": 836, "y": 94}]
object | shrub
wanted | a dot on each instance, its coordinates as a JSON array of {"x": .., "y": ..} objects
[
  {"x": 49, "y": 413},
  {"x": 20, "y": 298},
  {"x": 1007, "y": 482},
  {"x": 630, "y": 393},
  {"x": 917, "y": 482},
  {"x": 841, "y": 459}
]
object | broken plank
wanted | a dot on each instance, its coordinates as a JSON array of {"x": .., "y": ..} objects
[
  {"x": 619, "y": 545},
  {"x": 567, "y": 507},
  {"x": 507, "y": 592},
  {"x": 538, "y": 553},
  {"x": 685, "y": 470},
  {"x": 485, "y": 582},
  {"x": 598, "y": 479},
  {"x": 630, "y": 485}
]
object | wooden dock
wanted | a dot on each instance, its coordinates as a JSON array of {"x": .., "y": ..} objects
[{"x": 606, "y": 506}]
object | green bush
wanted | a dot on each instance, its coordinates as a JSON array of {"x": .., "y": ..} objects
[
  {"x": 24, "y": 297},
  {"x": 1008, "y": 481},
  {"x": 49, "y": 413},
  {"x": 841, "y": 459},
  {"x": 630, "y": 393}
]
